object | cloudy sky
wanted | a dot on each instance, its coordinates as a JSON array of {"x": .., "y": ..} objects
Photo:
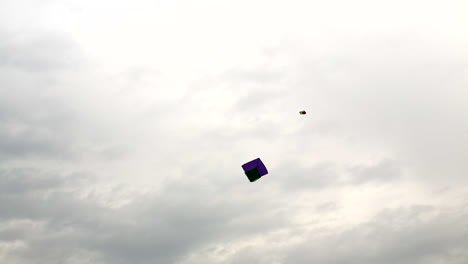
[{"x": 124, "y": 125}]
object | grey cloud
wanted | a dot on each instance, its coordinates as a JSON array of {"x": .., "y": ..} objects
[
  {"x": 38, "y": 195},
  {"x": 20, "y": 181},
  {"x": 34, "y": 119},
  {"x": 394, "y": 236},
  {"x": 160, "y": 227},
  {"x": 39, "y": 127},
  {"x": 304, "y": 178},
  {"x": 385, "y": 170},
  {"x": 292, "y": 176},
  {"x": 252, "y": 254},
  {"x": 38, "y": 52},
  {"x": 183, "y": 218},
  {"x": 39, "y": 114}
]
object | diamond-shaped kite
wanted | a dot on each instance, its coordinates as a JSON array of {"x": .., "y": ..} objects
[{"x": 254, "y": 169}]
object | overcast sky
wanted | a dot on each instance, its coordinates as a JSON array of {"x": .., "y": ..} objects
[{"x": 124, "y": 125}]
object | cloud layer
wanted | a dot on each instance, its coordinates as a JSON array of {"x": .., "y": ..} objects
[{"x": 123, "y": 128}]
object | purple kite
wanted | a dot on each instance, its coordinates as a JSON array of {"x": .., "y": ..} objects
[{"x": 254, "y": 169}]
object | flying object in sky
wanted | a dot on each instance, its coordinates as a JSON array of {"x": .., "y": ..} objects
[
  {"x": 303, "y": 112},
  {"x": 255, "y": 169}
]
